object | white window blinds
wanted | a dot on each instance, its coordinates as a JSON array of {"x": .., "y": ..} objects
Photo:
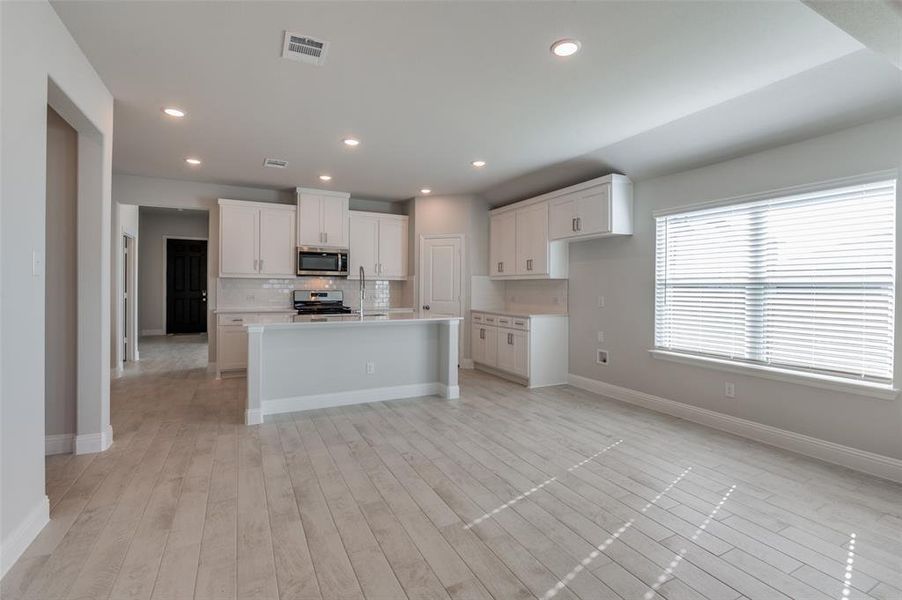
[{"x": 802, "y": 282}]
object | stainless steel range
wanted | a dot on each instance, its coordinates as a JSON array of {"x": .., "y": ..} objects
[{"x": 319, "y": 305}]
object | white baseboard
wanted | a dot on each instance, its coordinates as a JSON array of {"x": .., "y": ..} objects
[
  {"x": 449, "y": 392},
  {"x": 846, "y": 456},
  {"x": 466, "y": 363},
  {"x": 148, "y": 332},
  {"x": 253, "y": 416},
  {"x": 89, "y": 443},
  {"x": 62, "y": 443},
  {"x": 298, "y": 403},
  {"x": 16, "y": 542}
]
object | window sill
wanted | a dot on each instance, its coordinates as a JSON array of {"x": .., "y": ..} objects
[{"x": 861, "y": 388}]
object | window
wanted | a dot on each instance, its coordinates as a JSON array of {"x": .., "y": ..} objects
[{"x": 803, "y": 282}]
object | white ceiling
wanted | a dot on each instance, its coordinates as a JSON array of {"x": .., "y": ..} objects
[{"x": 430, "y": 86}]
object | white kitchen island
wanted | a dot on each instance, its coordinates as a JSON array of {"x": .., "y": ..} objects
[{"x": 307, "y": 365}]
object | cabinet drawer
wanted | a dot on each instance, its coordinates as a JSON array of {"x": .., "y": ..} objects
[
  {"x": 233, "y": 318},
  {"x": 521, "y": 323},
  {"x": 478, "y": 317},
  {"x": 490, "y": 319}
]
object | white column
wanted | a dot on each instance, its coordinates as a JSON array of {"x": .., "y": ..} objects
[
  {"x": 253, "y": 414},
  {"x": 450, "y": 339}
]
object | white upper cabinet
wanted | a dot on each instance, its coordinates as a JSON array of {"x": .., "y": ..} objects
[
  {"x": 503, "y": 244},
  {"x": 277, "y": 241},
  {"x": 256, "y": 239},
  {"x": 378, "y": 242},
  {"x": 239, "y": 234},
  {"x": 519, "y": 247},
  {"x": 393, "y": 247},
  {"x": 364, "y": 249},
  {"x": 322, "y": 218},
  {"x": 532, "y": 240},
  {"x": 597, "y": 208}
]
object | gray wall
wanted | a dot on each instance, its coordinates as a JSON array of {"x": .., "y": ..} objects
[
  {"x": 623, "y": 271},
  {"x": 60, "y": 292},
  {"x": 38, "y": 53},
  {"x": 467, "y": 215},
  {"x": 154, "y": 224}
]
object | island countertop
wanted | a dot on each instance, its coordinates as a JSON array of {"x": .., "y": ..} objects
[{"x": 354, "y": 320}]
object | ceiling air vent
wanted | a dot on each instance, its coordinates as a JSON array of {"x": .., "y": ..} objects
[
  {"x": 275, "y": 163},
  {"x": 304, "y": 48}
]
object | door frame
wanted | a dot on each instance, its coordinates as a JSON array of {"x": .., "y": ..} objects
[
  {"x": 463, "y": 330},
  {"x": 130, "y": 291},
  {"x": 165, "y": 269}
]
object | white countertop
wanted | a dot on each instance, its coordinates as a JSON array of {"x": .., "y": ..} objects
[
  {"x": 520, "y": 315},
  {"x": 291, "y": 311},
  {"x": 356, "y": 321}
]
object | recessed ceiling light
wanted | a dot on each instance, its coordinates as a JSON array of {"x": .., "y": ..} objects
[
  {"x": 325, "y": 177},
  {"x": 425, "y": 191},
  {"x": 565, "y": 47},
  {"x": 351, "y": 142},
  {"x": 174, "y": 112},
  {"x": 478, "y": 163},
  {"x": 193, "y": 161}
]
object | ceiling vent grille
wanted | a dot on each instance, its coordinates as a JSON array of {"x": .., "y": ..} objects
[
  {"x": 275, "y": 163},
  {"x": 304, "y": 48}
]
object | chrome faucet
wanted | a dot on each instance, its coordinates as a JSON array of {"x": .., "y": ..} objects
[{"x": 362, "y": 290}]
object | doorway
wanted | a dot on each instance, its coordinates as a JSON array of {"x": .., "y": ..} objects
[
  {"x": 186, "y": 285},
  {"x": 443, "y": 287}
]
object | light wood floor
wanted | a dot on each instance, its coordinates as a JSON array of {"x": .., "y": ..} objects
[{"x": 376, "y": 500}]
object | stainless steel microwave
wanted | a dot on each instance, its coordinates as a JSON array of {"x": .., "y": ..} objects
[{"x": 327, "y": 262}]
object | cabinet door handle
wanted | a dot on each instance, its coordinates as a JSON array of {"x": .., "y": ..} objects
[
  {"x": 529, "y": 264},
  {"x": 501, "y": 267},
  {"x": 255, "y": 264},
  {"x": 573, "y": 224},
  {"x": 482, "y": 333},
  {"x": 261, "y": 265},
  {"x": 326, "y": 236},
  {"x": 510, "y": 339},
  {"x": 579, "y": 223}
]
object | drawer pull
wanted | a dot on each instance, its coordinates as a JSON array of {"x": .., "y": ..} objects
[{"x": 510, "y": 339}]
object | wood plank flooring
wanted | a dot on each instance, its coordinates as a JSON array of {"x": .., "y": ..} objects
[{"x": 505, "y": 493}]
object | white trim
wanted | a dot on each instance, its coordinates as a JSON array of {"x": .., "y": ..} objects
[
  {"x": 318, "y": 192},
  {"x": 853, "y": 458},
  {"x": 786, "y": 191},
  {"x": 61, "y": 443},
  {"x": 312, "y": 401},
  {"x": 17, "y": 542},
  {"x": 449, "y": 392},
  {"x": 89, "y": 443},
  {"x": 818, "y": 380},
  {"x": 165, "y": 288},
  {"x": 152, "y": 332},
  {"x": 253, "y": 416}
]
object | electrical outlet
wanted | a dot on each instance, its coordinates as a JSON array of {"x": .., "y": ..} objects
[
  {"x": 729, "y": 390},
  {"x": 602, "y": 357},
  {"x": 601, "y": 337},
  {"x": 370, "y": 367},
  {"x": 601, "y": 302}
]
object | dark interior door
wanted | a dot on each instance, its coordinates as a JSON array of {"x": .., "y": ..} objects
[{"x": 186, "y": 286}]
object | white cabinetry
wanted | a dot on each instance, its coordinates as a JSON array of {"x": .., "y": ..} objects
[
  {"x": 530, "y": 349},
  {"x": 604, "y": 208},
  {"x": 503, "y": 244},
  {"x": 231, "y": 336},
  {"x": 322, "y": 218},
  {"x": 519, "y": 247},
  {"x": 378, "y": 244},
  {"x": 256, "y": 239}
]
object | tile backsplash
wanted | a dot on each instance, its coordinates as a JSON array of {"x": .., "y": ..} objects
[
  {"x": 276, "y": 293},
  {"x": 529, "y": 296}
]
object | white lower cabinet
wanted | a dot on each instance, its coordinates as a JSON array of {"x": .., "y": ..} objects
[
  {"x": 231, "y": 337},
  {"x": 513, "y": 351},
  {"x": 529, "y": 348}
]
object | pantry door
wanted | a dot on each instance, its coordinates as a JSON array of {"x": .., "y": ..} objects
[{"x": 440, "y": 268}]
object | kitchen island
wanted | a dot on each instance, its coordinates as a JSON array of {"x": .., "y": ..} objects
[{"x": 351, "y": 360}]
